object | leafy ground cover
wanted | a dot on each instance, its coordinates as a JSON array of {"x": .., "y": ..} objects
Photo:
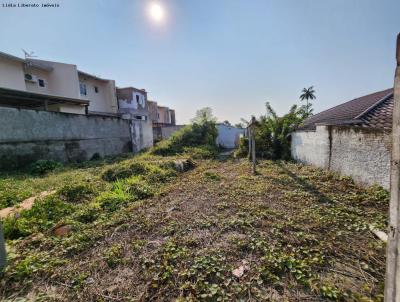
[{"x": 143, "y": 230}]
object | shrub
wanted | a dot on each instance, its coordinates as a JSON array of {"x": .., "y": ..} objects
[
  {"x": 42, "y": 167},
  {"x": 272, "y": 133},
  {"x": 75, "y": 193},
  {"x": 113, "y": 200},
  {"x": 202, "y": 152},
  {"x": 43, "y": 215},
  {"x": 88, "y": 213},
  {"x": 194, "y": 135},
  {"x": 138, "y": 188},
  {"x": 124, "y": 170}
]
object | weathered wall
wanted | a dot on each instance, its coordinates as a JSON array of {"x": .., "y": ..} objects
[
  {"x": 228, "y": 136},
  {"x": 167, "y": 131},
  {"x": 363, "y": 154},
  {"x": 142, "y": 134},
  {"x": 311, "y": 147},
  {"x": 28, "y": 135}
]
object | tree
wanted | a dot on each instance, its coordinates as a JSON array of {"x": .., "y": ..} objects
[
  {"x": 272, "y": 133},
  {"x": 204, "y": 115},
  {"x": 308, "y": 94},
  {"x": 227, "y": 123}
]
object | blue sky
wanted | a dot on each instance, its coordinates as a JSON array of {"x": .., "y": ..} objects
[{"x": 231, "y": 55}]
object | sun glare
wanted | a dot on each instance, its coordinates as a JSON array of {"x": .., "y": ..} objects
[{"x": 157, "y": 12}]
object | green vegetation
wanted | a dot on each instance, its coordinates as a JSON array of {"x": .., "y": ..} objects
[
  {"x": 272, "y": 133},
  {"x": 197, "y": 139},
  {"x": 159, "y": 226},
  {"x": 293, "y": 233},
  {"x": 42, "y": 167}
]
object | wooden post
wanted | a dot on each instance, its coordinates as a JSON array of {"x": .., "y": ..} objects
[
  {"x": 3, "y": 255},
  {"x": 253, "y": 152},
  {"x": 392, "y": 281},
  {"x": 46, "y": 105},
  {"x": 249, "y": 139},
  {"x": 252, "y": 144}
]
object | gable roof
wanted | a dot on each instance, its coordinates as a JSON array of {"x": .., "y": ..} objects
[{"x": 371, "y": 111}]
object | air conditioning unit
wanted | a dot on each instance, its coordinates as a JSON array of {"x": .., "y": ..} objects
[{"x": 30, "y": 78}]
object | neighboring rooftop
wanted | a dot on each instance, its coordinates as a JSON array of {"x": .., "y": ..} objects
[{"x": 370, "y": 111}]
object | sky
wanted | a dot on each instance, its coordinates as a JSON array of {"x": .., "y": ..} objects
[{"x": 230, "y": 55}]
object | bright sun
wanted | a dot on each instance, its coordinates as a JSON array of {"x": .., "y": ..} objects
[{"x": 156, "y": 12}]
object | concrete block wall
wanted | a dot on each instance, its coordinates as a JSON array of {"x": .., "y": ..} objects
[
  {"x": 363, "y": 154},
  {"x": 311, "y": 147},
  {"x": 29, "y": 135}
]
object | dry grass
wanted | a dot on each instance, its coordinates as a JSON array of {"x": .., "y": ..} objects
[{"x": 303, "y": 232}]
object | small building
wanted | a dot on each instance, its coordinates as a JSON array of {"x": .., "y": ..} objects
[
  {"x": 352, "y": 139},
  {"x": 229, "y": 136}
]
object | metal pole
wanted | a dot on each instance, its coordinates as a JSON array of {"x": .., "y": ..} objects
[
  {"x": 392, "y": 281},
  {"x": 3, "y": 256}
]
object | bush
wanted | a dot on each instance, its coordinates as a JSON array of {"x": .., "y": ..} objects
[
  {"x": 202, "y": 152},
  {"x": 73, "y": 193},
  {"x": 194, "y": 135},
  {"x": 88, "y": 213},
  {"x": 42, "y": 167},
  {"x": 138, "y": 188},
  {"x": 43, "y": 215},
  {"x": 124, "y": 170},
  {"x": 272, "y": 134}
]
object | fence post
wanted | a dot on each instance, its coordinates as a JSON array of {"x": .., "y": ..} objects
[
  {"x": 392, "y": 280},
  {"x": 3, "y": 256},
  {"x": 252, "y": 144}
]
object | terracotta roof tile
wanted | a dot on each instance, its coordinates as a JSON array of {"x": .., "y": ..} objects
[{"x": 373, "y": 110}]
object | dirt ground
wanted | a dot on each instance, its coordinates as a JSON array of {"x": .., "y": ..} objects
[{"x": 218, "y": 233}]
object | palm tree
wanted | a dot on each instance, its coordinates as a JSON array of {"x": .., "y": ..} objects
[{"x": 308, "y": 94}]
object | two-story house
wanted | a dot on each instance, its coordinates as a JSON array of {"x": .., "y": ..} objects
[
  {"x": 53, "y": 86},
  {"x": 134, "y": 102}
]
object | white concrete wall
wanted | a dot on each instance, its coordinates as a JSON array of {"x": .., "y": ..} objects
[
  {"x": 228, "y": 136},
  {"x": 363, "y": 154},
  {"x": 12, "y": 74},
  {"x": 311, "y": 147}
]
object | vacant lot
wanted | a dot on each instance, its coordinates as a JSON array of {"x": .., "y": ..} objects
[{"x": 212, "y": 233}]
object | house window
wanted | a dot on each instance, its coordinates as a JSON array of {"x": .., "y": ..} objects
[
  {"x": 96, "y": 89},
  {"x": 137, "y": 99},
  {"x": 41, "y": 83},
  {"x": 82, "y": 88}
]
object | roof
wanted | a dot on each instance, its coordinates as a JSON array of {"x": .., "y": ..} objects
[
  {"x": 370, "y": 111},
  {"x": 133, "y": 88},
  {"x": 11, "y": 57},
  {"x": 92, "y": 76},
  {"x": 27, "y": 99}
]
